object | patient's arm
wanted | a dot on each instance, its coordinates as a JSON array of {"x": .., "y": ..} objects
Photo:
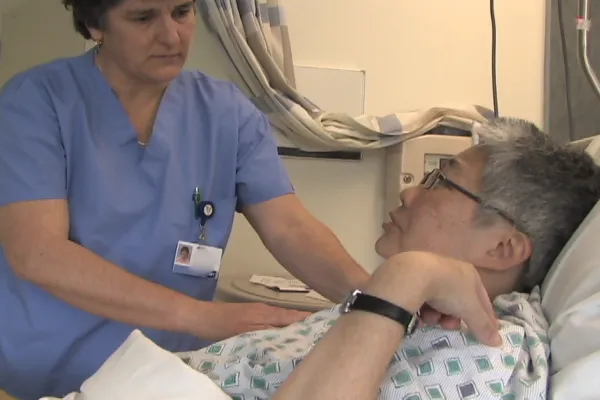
[
  {"x": 354, "y": 359},
  {"x": 326, "y": 374},
  {"x": 349, "y": 363},
  {"x": 253, "y": 365},
  {"x": 351, "y": 359}
]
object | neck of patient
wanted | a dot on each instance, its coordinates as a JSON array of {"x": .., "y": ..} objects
[{"x": 500, "y": 282}]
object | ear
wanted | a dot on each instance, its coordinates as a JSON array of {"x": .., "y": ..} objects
[
  {"x": 96, "y": 34},
  {"x": 511, "y": 249}
]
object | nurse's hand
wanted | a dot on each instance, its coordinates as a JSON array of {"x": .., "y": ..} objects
[{"x": 232, "y": 319}]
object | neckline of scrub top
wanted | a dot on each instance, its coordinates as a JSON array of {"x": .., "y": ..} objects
[{"x": 120, "y": 128}]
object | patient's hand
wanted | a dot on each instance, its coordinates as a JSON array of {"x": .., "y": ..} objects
[
  {"x": 432, "y": 317},
  {"x": 448, "y": 290}
]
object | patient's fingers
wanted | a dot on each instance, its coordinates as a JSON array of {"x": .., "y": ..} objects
[
  {"x": 487, "y": 305},
  {"x": 479, "y": 317},
  {"x": 484, "y": 330},
  {"x": 430, "y": 316},
  {"x": 450, "y": 323}
]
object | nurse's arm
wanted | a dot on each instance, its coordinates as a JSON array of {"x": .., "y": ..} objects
[
  {"x": 34, "y": 236},
  {"x": 305, "y": 246}
]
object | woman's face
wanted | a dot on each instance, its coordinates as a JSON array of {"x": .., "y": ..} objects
[{"x": 148, "y": 39}]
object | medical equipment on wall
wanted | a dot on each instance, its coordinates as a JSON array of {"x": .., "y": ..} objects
[
  {"x": 583, "y": 27},
  {"x": 409, "y": 161},
  {"x": 584, "y": 24}
]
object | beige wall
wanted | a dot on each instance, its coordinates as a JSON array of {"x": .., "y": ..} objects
[
  {"x": 37, "y": 32},
  {"x": 415, "y": 53}
]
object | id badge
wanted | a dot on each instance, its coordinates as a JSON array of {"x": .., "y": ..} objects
[{"x": 197, "y": 260}]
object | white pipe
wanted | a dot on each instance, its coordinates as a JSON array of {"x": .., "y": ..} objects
[{"x": 583, "y": 28}]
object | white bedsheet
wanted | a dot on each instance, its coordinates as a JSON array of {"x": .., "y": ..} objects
[{"x": 140, "y": 369}]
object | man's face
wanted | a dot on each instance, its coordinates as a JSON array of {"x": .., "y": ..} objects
[
  {"x": 441, "y": 219},
  {"x": 149, "y": 39}
]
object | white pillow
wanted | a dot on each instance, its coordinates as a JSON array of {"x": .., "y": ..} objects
[
  {"x": 593, "y": 148},
  {"x": 139, "y": 369},
  {"x": 571, "y": 296}
]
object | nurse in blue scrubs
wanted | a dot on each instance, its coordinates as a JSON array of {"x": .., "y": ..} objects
[{"x": 110, "y": 163}]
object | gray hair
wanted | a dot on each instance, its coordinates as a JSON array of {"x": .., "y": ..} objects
[{"x": 547, "y": 188}]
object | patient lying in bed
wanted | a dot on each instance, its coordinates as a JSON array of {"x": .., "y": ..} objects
[
  {"x": 507, "y": 206},
  {"x": 432, "y": 364}
]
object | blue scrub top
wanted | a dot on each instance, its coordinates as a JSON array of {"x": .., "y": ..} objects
[{"x": 65, "y": 135}]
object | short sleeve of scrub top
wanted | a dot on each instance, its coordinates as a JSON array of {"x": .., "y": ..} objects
[
  {"x": 261, "y": 175},
  {"x": 32, "y": 159}
]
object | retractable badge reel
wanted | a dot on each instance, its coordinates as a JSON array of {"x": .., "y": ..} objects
[
  {"x": 198, "y": 259},
  {"x": 203, "y": 211}
]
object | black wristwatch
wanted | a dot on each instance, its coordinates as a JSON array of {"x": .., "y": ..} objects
[{"x": 364, "y": 302}]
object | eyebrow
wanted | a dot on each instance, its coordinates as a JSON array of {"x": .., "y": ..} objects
[
  {"x": 186, "y": 4},
  {"x": 453, "y": 163}
]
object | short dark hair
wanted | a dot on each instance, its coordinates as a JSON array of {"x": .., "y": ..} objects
[
  {"x": 89, "y": 13},
  {"x": 547, "y": 187}
]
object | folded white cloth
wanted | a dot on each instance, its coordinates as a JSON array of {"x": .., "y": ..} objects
[{"x": 140, "y": 369}]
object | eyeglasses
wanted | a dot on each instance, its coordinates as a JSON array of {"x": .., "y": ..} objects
[{"x": 437, "y": 176}]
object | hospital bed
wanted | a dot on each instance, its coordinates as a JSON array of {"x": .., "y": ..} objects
[{"x": 571, "y": 300}]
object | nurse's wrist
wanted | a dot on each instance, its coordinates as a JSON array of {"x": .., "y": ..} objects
[{"x": 188, "y": 314}]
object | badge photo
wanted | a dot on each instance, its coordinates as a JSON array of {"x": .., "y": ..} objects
[{"x": 197, "y": 260}]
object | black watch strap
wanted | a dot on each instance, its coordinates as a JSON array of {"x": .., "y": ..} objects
[{"x": 365, "y": 302}]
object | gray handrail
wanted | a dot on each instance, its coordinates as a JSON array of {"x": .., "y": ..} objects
[{"x": 584, "y": 23}]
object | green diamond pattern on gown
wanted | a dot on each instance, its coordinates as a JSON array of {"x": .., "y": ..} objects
[
  {"x": 402, "y": 378},
  {"x": 433, "y": 364}
]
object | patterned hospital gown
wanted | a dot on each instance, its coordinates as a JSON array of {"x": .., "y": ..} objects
[{"x": 432, "y": 364}]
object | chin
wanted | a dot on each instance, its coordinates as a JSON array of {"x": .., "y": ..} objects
[
  {"x": 385, "y": 249},
  {"x": 166, "y": 74}
]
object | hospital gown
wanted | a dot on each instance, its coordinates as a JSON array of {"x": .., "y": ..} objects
[{"x": 431, "y": 364}]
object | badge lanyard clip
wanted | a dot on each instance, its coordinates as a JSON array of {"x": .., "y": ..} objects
[{"x": 203, "y": 211}]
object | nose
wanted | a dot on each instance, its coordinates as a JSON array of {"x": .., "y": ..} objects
[
  {"x": 168, "y": 33},
  {"x": 408, "y": 195}
]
